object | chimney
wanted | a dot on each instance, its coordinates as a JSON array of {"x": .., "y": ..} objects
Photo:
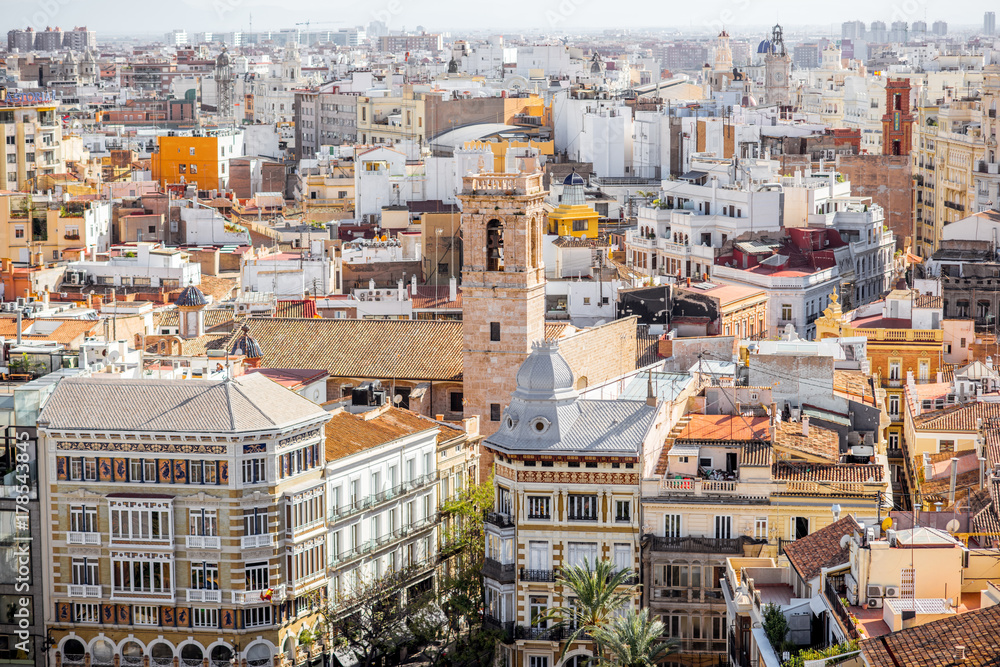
[
  {"x": 400, "y": 291},
  {"x": 951, "y": 483},
  {"x": 940, "y": 376},
  {"x": 18, "y": 326},
  {"x": 737, "y": 406},
  {"x": 928, "y": 470},
  {"x": 453, "y": 289},
  {"x": 413, "y": 285},
  {"x": 959, "y": 653},
  {"x": 774, "y": 413},
  {"x": 371, "y": 283},
  {"x": 982, "y": 471},
  {"x": 805, "y": 426}
]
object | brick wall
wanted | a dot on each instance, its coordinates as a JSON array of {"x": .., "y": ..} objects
[{"x": 888, "y": 180}]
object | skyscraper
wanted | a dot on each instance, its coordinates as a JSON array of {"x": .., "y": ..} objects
[{"x": 990, "y": 23}]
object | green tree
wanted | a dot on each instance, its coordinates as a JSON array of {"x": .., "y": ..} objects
[
  {"x": 775, "y": 626},
  {"x": 633, "y": 639},
  {"x": 593, "y": 593}
]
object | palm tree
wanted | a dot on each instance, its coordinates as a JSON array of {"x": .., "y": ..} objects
[
  {"x": 594, "y": 592},
  {"x": 633, "y": 640}
]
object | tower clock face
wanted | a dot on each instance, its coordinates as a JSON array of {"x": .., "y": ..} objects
[{"x": 776, "y": 77}]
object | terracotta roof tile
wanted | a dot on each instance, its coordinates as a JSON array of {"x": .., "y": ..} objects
[
  {"x": 348, "y": 433},
  {"x": 793, "y": 471},
  {"x": 756, "y": 455},
  {"x": 813, "y": 552},
  {"x": 959, "y": 417},
  {"x": 821, "y": 443},
  {"x": 402, "y": 349},
  {"x": 724, "y": 428},
  {"x": 934, "y": 643}
]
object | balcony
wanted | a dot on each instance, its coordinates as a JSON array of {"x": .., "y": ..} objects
[
  {"x": 373, "y": 500},
  {"x": 708, "y": 545},
  {"x": 548, "y": 634},
  {"x": 538, "y": 575},
  {"x": 203, "y": 541},
  {"x": 257, "y": 541},
  {"x": 505, "y": 628},
  {"x": 499, "y": 519},
  {"x": 91, "y": 539},
  {"x": 84, "y": 591},
  {"x": 255, "y": 596},
  {"x": 894, "y": 454},
  {"x": 500, "y": 572},
  {"x": 203, "y": 595},
  {"x": 307, "y": 583},
  {"x": 701, "y": 646}
]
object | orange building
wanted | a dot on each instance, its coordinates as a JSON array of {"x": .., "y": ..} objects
[{"x": 203, "y": 159}]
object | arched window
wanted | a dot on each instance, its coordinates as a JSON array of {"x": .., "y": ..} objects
[
  {"x": 494, "y": 246},
  {"x": 131, "y": 653},
  {"x": 192, "y": 655},
  {"x": 534, "y": 253},
  {"x": 73, "y": 651},
  {"x": 161, "y": 655}
]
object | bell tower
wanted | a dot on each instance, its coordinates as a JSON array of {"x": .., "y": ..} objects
[
  {"x": 503, "y": 286},
  {"x": 897, "y": 123},
  {"x": 777, "y": 70}
]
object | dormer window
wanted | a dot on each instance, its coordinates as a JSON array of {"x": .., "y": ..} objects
[{"x": 540, "y": 424}]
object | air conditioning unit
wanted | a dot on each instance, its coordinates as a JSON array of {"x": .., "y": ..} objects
[
  {"x": 20, "y": 302},
  {"x": 875, "y": 591},
  {"x": 874, "y": 603},
  {"x": 892, "y": 591}
]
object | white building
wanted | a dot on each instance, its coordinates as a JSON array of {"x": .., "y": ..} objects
[
  {"x": 290, "y": 275},
  {"x": 137, "y": 265}
]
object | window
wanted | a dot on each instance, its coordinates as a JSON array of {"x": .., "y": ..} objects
[
  {"x": 82, "y": 519},
  {"x": 537, "y": 606},
  {"x": 257, "y": 576},
  {"x": 539, "y": 507},
  {"x": 86, "y": 613},
  {"x": 182, "y": 168},
  {"x": 894, "y": 405},
  {"x": 895, "y": 369},
  {"x": 145, "y": 615},
  {"x": 538, "y": 661},
  {"x": 257, "y": 616},
  {"x": 254, "y": 470},
  {"x": 142, "y": 576},
  {"x": 495, "y": 412},
  {"x": 90, "y": 470},
  {"x": 455, "y": 401},
  {"x": 760, "y": 528},
  {"x": 672, "y": 525},
  {"x": 76, "y": 469},
  {"x": 623, "y": 556},
  {"x": 723, "y": 527},
  {"x": 203, "y": 472},
  {"x": 786, "y": 311},
  {"x": 582, "y": 507},
  {"x": 946, "y": 446},
  {"x": 580, "y": 226},
  {"x": 893, "y": 440},
  {"x": 85, "y": 571},
  {"x": 148, "y": 521},
  {"x": 19, "y": 232},
  {"x": 623, "y": 510},
  {"x": 254, "y": 521},
  {"x": 494, "y": 331},
  {"x": 205, "y": 618},
  {"x": 191, "y": 151},
  {"x": 205, "y": 576},
  {"x": 203, "y": 522}
]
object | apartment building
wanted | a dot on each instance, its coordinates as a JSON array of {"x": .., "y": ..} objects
[
  {"x": 181, "y": 524},
  {"x": 567, "y": 480},
  {"x": 32, "y": 140},
  {"x": 732, "y": 485},
  {"x": 42, "y": 229},
  {"x": 200, "y": 158},
  {"x": 392, "y": 119}
]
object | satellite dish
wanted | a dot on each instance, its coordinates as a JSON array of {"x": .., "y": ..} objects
[
  {"x": 113, "y": 356},
  {"x": 397, "y": 399},
  {"x": 844, "y": 541},
  {"x": 953, "y": 526},
  {"x": 886, "y": 523}
]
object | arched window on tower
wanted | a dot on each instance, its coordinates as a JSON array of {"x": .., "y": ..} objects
[
  {"x": 534, "y": 253},
  {"x": 494, "y": 246}
]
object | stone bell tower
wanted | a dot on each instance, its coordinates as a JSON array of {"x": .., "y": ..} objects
[{"x": 503, "y": 286}]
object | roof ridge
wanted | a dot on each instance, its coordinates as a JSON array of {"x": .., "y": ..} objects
[{"x": 239, "y": 389}]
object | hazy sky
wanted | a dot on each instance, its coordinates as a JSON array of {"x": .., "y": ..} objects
[{"x": 151, "y": 17}]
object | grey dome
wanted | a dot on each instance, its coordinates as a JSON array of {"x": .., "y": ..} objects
[
  {"x": 191, "y": 296},
  {"x": 544, "y": 374}
]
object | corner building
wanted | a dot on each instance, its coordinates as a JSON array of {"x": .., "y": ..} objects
[{"x": 177, "y": 530}]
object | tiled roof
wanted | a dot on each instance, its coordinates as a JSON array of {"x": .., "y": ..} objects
[
  {"x": 555, "y": 330},
  {"x": 213, "y": 317},
  {"x": 985, "y": 518},
  {"x": 928, "y": 301},
  {"x": 292, "y": 378},
  {"x": 724, "y": 428},
  {"x": 217, "y": 288},
  {"x": 821, "y": 443},
  {"x": 348, "y": 433},
  {"x": 402, "y": 349},
  {"x": 306, "y": 308},
  {"x": 934, "y": 643},
  {"x": 429, "y": 296},
  {"x": 249, "y": 403},
  {"x": 191, "y": 296},
  {"x": 813, "y": 552},
  {"x": 827, "y": 472},
  {"x": 756, "y": 455},
  {"x": 957, "y": 418}
]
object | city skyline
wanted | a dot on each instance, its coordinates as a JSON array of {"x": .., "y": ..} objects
[{"x": 111, "y": 17}]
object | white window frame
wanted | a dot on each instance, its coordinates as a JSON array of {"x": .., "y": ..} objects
[{"x": 673, "y": 525}]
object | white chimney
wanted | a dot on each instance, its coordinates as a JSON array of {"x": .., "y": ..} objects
[
  {"x": 952, "y": 482},
  {"x": 400, "y": 292},
  {"x": 805, "y": 426},
  {"x": 413, "y": 285},
  {"x": 371, "y": 283},
  {"x": 453, "y": 289}
]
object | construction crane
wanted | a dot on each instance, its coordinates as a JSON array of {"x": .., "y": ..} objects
[{"x": 309, "y": 23}]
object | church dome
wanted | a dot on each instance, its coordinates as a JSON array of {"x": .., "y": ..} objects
[
  {"x": 191, "y": 297},
  {"x": 574, "y": 179},
  {"x": 764, "y": 46},
  {"x": 544, "y": 374},
  {"x": 246, "y": 345}
]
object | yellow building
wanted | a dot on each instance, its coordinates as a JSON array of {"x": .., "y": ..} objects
[
  {"x": 904, "y": 337},
  {"x": 573, "y": 217},
  {"x": 390, "y": 120},
  {"x": 501, "y": 149},
  {"x": 948, "y": 148},
  {"x": 203, "y": 160},
  {"x": 38, "y": 230},
  {"x": 32, "y": 140},
  {"x": 328, "y": 191}
]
